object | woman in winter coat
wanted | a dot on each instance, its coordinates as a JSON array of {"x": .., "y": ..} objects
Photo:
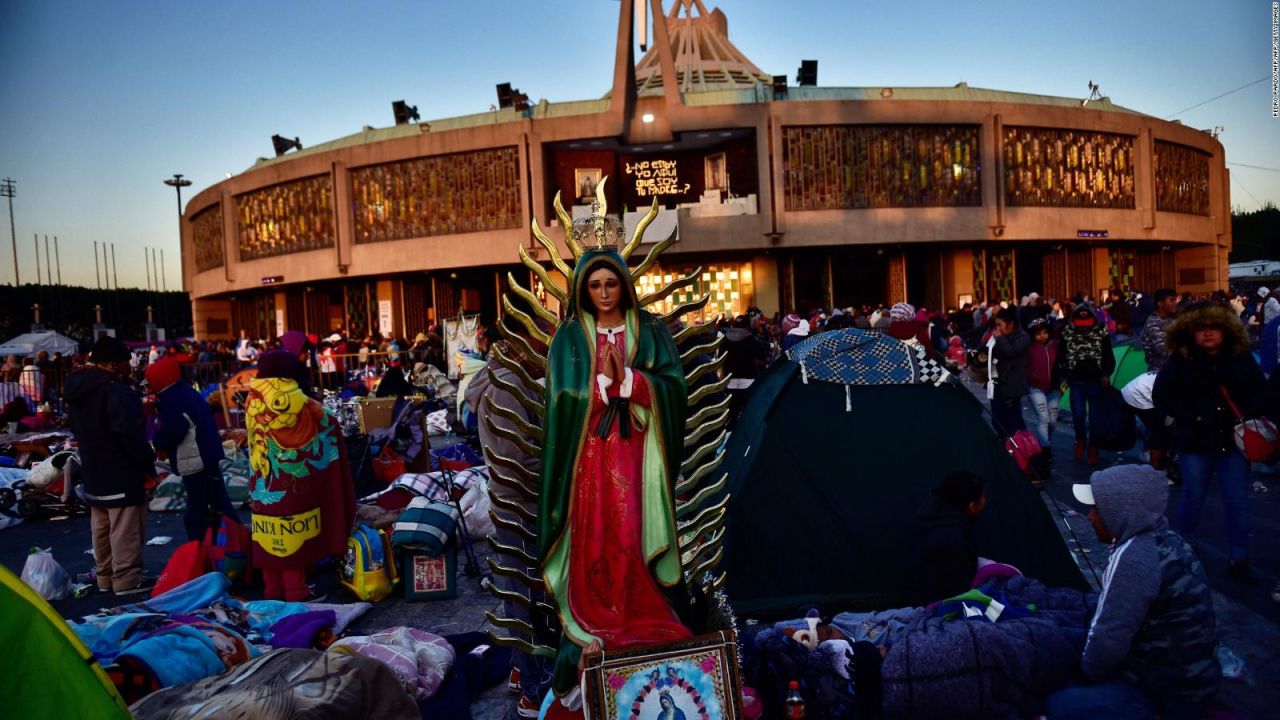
[
  {"x": 1086, "y": 362},
  {"x": 1210, "y": 367}
]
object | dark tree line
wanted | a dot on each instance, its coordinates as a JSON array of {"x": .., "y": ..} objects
[
  {"x": 70, "y": 311},
  {"x": 1256, "y": 235}
]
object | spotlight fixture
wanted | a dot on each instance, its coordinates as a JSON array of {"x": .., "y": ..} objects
[
  {"x": 404, "y": 112},
  {"x": 808, "y": 73},
  {"x": 284, "y": 144},
  {"x": 647, "y": 117},
  {"x": 779, "y": 87},
  {"x": 505, "y": 94},
  {"x": 1094, "y": 94}
]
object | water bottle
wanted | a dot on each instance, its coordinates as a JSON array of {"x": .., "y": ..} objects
[{"x": 795, "y": 702}]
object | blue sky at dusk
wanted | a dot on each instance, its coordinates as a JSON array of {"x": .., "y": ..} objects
[{"x": 100, "y": 101}]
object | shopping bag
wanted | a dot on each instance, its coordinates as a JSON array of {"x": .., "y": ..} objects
[
  {"x": 388, "y": 466},
  {"x": 44, "y": 575},
  {"x": 1255, "y": 437}
]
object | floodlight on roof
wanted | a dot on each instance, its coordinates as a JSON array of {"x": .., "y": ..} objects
[
  {"x": 404, "y": 112},
  {"x": 808, "y": 73},
  {"x": 284, "y": 144},
  {"x": 505, "y": 93},
  {"x": 779, "y": 87}
]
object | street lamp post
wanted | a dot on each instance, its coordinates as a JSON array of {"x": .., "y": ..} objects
[
  {"x": 177, "y": 182},
  {"x": 7, "y": 189}
]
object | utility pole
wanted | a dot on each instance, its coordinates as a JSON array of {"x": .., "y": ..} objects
[
  {"x": 97, "y": 277},
  {"x": 146, "y": 258},
  {"x": 8, "y": 188},
  {"x": 57, "y": 257},
  {"x": 35, "y": 240},
  {"x": 48, "y": 266},
  {"x": 164, "y": 284},
  {"x": 115, "y": 276}
]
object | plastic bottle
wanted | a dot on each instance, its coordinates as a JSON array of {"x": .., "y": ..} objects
[{"x": 795, "y": 702}]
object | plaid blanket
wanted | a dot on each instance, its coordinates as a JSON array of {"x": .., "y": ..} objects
[{"x": 861, "y": 357}]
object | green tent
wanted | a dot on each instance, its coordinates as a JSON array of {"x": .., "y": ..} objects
[
  {"x": 1131, "y": 362},
  {"x": 824, "y": 499},
  {"x": 52, "y": 674}
]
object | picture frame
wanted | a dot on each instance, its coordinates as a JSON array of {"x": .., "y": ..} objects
[
  {"x": 699, "y": 677},
  {"x": 585, "y": 181},
  {"x": 716, "y": 172},
  {"x": 430, "y": 578}
]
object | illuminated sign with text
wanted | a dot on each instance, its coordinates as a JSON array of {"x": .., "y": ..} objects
[{"x": 656, "y": 177}]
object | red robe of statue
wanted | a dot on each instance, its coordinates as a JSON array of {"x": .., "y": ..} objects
[{"x": 612, "y": 593}]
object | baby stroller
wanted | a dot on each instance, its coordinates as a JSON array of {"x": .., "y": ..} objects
[{"x": 52, "y": 488}]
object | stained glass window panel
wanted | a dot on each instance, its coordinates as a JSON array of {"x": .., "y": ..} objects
[
  {"x": 438, "y": 195},
  {"x": 290, "y": 217},
  {"x": 831, "y": 167},
  {"x": 206, "y": 238},
  {"x": 1182, "y": 179},
  {"x": 1051, "y": 167}
]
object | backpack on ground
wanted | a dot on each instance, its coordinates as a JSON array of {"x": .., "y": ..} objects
[{"x": 368, "y": 568}]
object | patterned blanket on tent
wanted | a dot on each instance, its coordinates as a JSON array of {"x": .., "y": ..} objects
[{"x": 860, "y": 357}]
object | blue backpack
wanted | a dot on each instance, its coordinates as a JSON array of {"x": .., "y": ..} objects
[{"x": 368, "y": 568}]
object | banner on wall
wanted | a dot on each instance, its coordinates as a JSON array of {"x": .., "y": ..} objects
[
  {"x": 384, "y": 317},
  {"x": 279, "y": 322}
]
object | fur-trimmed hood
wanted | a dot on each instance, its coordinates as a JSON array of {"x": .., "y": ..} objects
[{"x": 1180, "y": 336}]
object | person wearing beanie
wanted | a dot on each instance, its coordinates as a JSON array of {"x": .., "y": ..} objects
[
  {"x": 1086, "y": 363},
  {"x": 903, "y": 325},
  {"x": 300, "y": 491},
  {"x": 1151, "y": 643},
  {"x": 115, "y": 460},
  {"x": 1210, "y": 368},
  {"x": 186, "y": 433}
]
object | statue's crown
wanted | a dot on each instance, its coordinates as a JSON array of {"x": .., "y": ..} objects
[{"x": 599, "y": 230}]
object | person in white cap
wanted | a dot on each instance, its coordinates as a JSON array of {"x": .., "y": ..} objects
[
  {"x": 1150, "y": 648},
  {"x": 1271, "y": 308}
]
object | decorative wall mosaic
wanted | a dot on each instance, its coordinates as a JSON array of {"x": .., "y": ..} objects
[
  {"x": 1068, "y": 168},
  {"x": 438, "y": 195},
  {"x": 1182, "y": 179},
  {"x": 830, "y": 167},
  {"x": 206, "y": 238},
  {"x": 290, "y": 217}
]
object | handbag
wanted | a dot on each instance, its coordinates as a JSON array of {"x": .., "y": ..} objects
[
  {"x": 1255, "y": 438},
  {"x": 388, "y": 466},
  {"x": 188, "y": 562}
]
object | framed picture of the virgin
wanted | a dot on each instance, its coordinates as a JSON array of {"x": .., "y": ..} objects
[{"x": 695, "y": 679}]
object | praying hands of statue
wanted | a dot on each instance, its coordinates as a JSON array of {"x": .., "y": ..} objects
[{"x": 614, "y": 366}]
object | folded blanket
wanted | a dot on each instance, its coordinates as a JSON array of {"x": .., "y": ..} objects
[
  {"x": 420, "y": 659},
  {"x": 286, "y": 684}
]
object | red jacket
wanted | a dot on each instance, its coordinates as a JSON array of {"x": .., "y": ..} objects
[{"x": 1042, "y": 366}]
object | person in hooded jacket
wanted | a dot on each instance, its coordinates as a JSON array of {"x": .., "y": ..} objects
[
  {"x": 116, "y": 461},
  {"x": 186, "y": 432},
  {"x": 1210, "y": 368},
  {"x": 1086, "y": 363},
  {"x": 1151, "y": 643}
]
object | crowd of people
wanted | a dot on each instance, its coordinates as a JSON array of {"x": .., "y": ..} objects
[{"x": 1202, "y": 378}]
